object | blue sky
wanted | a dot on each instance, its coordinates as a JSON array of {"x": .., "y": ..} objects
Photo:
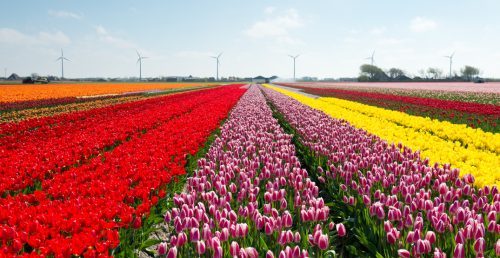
[{"x": 333, "y": 37}]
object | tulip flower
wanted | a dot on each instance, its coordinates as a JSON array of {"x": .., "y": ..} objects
[
  {"x": 234, "y": 249},
  {"x": 341, "y": 229},
  {"x": 172, "y": 252},
  {"x": 459, "y": 251},
  {"x": 323, "y": 242},
  {"x": 200, "y": 247},
  {"x": 403, "y": 253},
  {"x": 479, "y": 245},
  {"x": 161, "y": 248}
]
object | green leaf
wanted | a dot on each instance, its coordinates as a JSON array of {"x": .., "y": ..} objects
[
  {"x": 149, "y": 242},
  {"x": 263, "y": 244}
]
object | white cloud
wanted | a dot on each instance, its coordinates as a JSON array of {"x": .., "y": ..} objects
[
  {"x": 105, "y": 36},
  {"x": 422, "y": 24},
  {"x": 54, "y": 38},
  {"x": 101, "y": 30},
  {"x": 269, "y": 10},
  {"x": 8, "y": 35},
  {"x": 378, "y": 30},
  {"x": 12, "y": 36},
  {"x": 277, "y": 27},
  {"x": 65, "y": 14}
]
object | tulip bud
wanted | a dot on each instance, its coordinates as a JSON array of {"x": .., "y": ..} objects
[
  {"x": 269, "y": 254},
  {"x": 331, "y": 225},
  {"x": 341, "y": 229},
  {"x": 194, "y": 235},
  {"x": 234, "y": 249},
  {"x": 218, "y": 252},
  {"x": 268, "y": 228},
  {"x": 162, "y": 248},
  {"x": 479, "y": 245},
  {"x": 323, "y": 242},
  {"x": 459, "y": 251},
  {"x": 200, "y": 247},
  {"x": 172, "y": 252},
  {"x": 391, "y": 238},
  {"x": 251, "y": 252},
  {"x": 366, "y": 200},
  {"x": 497, "y": 248},
  {"x": 430, "y": 236},
  {"x": 403, "y": 253},
  {"x": 297, "y": 237}
]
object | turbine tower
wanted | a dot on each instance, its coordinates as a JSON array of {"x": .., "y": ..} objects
[
  {"x": 451, "y": 60},
  {"x": 371, "y": 58},
  {"x": 217, "y": 64},
  {"x": 139, "y": 60},
  {"x": 294, "y": 58},
  {"x": 62, "y": 58}
]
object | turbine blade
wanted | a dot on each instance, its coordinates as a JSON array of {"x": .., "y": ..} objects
[
  {"x": 66, "y": 59},
  {"x": 219, "y": 54},
  {"x": 58, "y": 59},
  {"x": 138, "y": 53},
  {"x": 452, "y": 54}
]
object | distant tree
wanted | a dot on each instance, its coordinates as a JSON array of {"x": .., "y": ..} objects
[
  {"x": 372, "y": 72},
  {"x": 363, "y": 78},
  {"x": 395, "y": 73},
  {"x": 423, "y": 73},
  {"x": 435, "y": 73},
  {"x": 468, "y": 72}
]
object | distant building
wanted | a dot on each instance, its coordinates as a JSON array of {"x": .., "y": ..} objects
[
  {"x": 14, "y": 77},
  {"x": 260, "y": 79}
]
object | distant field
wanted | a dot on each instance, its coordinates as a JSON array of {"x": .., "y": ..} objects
[
  {"x": 15, "y": 93},
  {"x": 484, "y": 93},
  {"x": 489, "y": 87}
]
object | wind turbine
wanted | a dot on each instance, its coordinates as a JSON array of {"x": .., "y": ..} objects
[
  {"x": 217, "y": 63},
  {"x": 62, "y": 58},
  {"x": 139, "y": 60},
  {"x": 451, "y": 60},
  {"x": 372, "y": 57},
  {"x": 294, "y": 58}
]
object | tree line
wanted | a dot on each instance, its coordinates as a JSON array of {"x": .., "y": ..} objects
[{"x": 371, "y": 73}]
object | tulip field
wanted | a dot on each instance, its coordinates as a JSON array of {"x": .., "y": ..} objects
[{"x": 272, "y": 170}]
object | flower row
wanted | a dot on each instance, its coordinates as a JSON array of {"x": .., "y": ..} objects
[
  {"x": 472, "y": 150},
  {"x": 473, "y": 108},
  {"x": 462, "y": 92},
  {"x": 25, "y": 94},
  {"x": 487, "y": 123},
  {"x": 40, "y": 112},
  {"x": 81, "y": 210},
  {"x": 249, "y": 197},
  {"x": 401, "y": 203},
  {"x": 75, "y": 138}
]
